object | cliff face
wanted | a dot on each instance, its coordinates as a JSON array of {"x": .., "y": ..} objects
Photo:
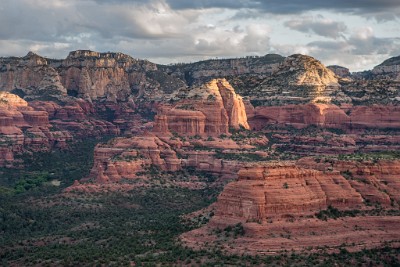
[
  {"x": 276, "y": 207},
  {"x": 269, "y": 80},
  {"x": 45, "y": 125},
  {"x": 298, "y": 79},
  {"x": 209, "y": 109},
  {"x": 203, "y": 71},
  {"x": 86, "y": 74},
  {"x": 276, "y": 190},
  {"x": 31, "y": 75},
  {"x": 279, "y": 189},
  {"x": 299, "y": 116}
]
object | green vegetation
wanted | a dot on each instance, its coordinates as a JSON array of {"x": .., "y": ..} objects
[
  {"x": 40, "y": 167},
  {"x": 242, "y": 156},
  {"x": 384, "y": 155},
  {"x": 334, "y": 213},
  {"x": 41, "y": 226}
]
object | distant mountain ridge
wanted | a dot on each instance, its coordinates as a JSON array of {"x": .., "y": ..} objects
[{"x": 271, "y": 79}]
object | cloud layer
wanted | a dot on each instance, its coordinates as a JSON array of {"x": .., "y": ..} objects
[{"x": 339, "y": 32}]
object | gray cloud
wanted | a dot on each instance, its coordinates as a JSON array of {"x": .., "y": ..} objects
[
  {"x": 360, "y": 49},
  {"x": 362, "y": 42},
  {"x": 319, "y": 26},
  {"x": 178, "y": 30},
  {"x": 383, "y": 9}
]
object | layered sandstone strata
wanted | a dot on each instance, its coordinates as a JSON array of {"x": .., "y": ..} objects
[
  {"x": 326, "y": 116},
  {"x": 299, "y": 116},
  {"x": 272, "y": 208},
  {"x": 128, "y": 156},
  {"x": 279, "y": 189},
  {"x": 209, "y": 109}
]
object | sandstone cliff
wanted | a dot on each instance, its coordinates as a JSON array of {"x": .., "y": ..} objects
[
  {"x": 86, "y": 74},
  {"x": 203, "y": 71},
  {"x": 209, "y": 109},
  {"x": 298, "y": 79},
  {"x": 275, "y": 207},
  {"x": 281, "y": 189}
]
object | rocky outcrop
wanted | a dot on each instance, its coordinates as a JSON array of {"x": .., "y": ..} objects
[
  {"x": 340, "y": 71},
  {"x": 376, "y": 116},
  {"x": 280, "y": 189},
  {"x": 275, "y": 207},
  {"x": 30, "y": 75},
  {"x": 299, "y": 116},
  {"x": 377, "y": 181},
  {"x": 203, "y": 71},
  {"x": 86, "y": 74},
  {"x": 298, "y": 79},
  {"x": 128, "y": 156},
  {"x": 189, "y": 122},
  {"x": 326, "y": 116},
  {"x": 210, "y": 109},
  {"x": 389, "y": 69},
  {"x": 22, "y": 128}
]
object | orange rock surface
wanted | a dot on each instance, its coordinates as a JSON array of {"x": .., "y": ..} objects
[
  {"x": 299, "y": 116},
  {"x": 279, "y": 189},
  {"x": 209, "y": 109},
  {"x": 276, "y": 204}
]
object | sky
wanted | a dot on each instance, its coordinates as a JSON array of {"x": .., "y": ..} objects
[{"x": 358, "y": 34}]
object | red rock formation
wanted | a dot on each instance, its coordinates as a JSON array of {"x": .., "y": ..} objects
[
  {"x": 127, "y": 156},
  {"x": 376, "y": 181},
  {"x": 275, "y": 204},
  {"x": 275, "y": 190},
  {"x": 210, "y": 109},
  {"x": 326, "y": 115},
  {"x": 188, "y": 122},
  {"x": 299, "y": 116},
  {"x": 376, "y": 116}
]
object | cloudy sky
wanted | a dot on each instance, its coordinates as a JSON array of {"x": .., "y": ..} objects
[{"x": 358, "y": 34}]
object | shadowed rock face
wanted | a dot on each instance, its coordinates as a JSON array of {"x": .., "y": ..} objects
[{"x": 389, "y": 69}]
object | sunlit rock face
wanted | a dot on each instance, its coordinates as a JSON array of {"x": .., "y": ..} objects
[{"x": 208, "y": 109}]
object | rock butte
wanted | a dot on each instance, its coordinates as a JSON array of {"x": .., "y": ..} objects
[
  {"x": 208, "y": 110},
  {"x": 276, "y": 202}
]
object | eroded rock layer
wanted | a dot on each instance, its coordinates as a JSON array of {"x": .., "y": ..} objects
[
  {"x": 209, "y": 109},
  {"x": 308, "y": 204},
  {"x": 279, "y": 189}
]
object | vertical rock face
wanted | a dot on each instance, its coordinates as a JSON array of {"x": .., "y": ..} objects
[
  {"x": 376, "y": 181},
  {"x": 264, "y": 191},
  {"x": 94, "y": 75},
  {"x": 31, "y": 74},
  {"x": 376, "y": 116},
  {"x": 324, "y": 115},
  {"x": 209, "y": 109},
  {"x": 189, "y": 122},
  {"x": 233, "y": 104},
  {"x": 127, "y": 156},
  {"x": 86, "y": 74}
]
